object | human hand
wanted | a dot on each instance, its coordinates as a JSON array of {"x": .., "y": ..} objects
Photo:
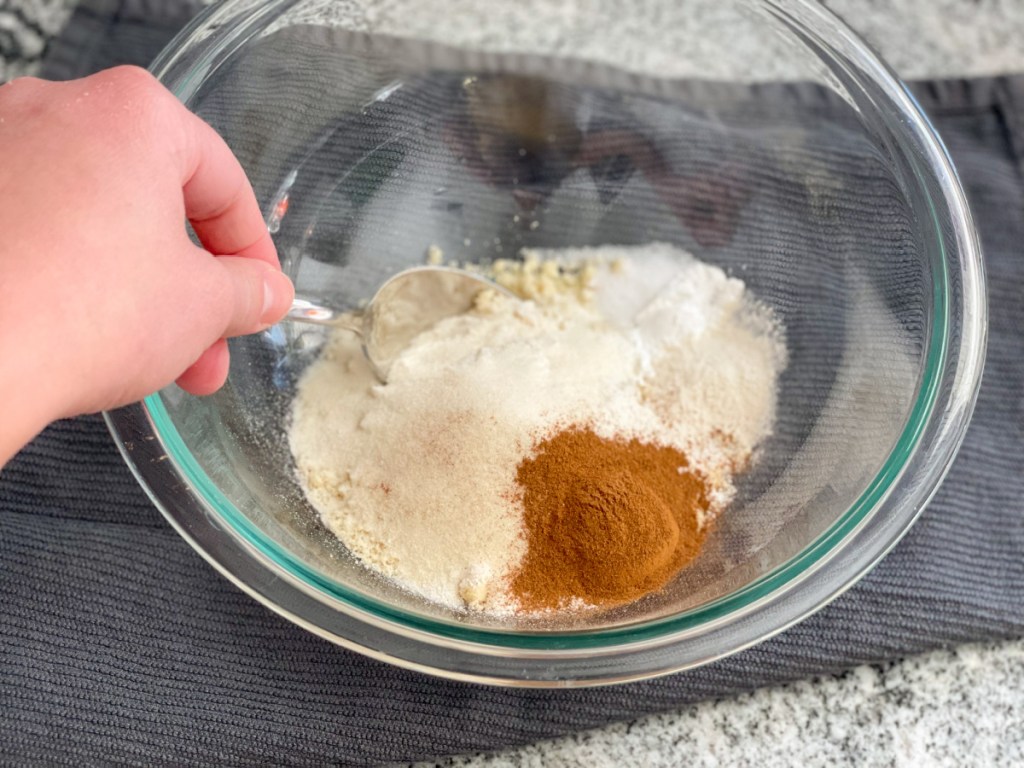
[{"x": 103, "y": 296}]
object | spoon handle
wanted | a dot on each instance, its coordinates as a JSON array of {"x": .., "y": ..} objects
[{"x": 304, "y": 311}]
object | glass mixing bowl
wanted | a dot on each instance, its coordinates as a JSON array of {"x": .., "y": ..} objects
[{"x": 761, "y": 135}]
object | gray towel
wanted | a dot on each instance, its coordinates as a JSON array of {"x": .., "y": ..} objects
[{"x": 118, "y": 643}]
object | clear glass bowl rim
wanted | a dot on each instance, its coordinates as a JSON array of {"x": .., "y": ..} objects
[{"x": 912, "y": 473}]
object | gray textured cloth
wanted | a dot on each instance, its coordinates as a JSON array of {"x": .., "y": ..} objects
[{"x": 118, "y": 643}]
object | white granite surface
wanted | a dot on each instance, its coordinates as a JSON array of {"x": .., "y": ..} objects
[
  {"x": 941, "y": 38},
  {"x": 26, "y": 27},
  {"x": 962, "y": 707},
  {"x": 920, "y": 38}
]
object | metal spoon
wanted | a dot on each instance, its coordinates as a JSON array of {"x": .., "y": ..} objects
[{"x": 407, "y": 304}]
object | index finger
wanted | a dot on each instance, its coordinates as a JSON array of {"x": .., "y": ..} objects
[{"x": 219, "y": 201}]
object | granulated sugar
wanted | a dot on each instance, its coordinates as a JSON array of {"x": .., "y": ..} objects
[{"x": 418, "y": 477}]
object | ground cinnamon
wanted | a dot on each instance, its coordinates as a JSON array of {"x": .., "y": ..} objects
[{"x": 606, "y": 521}]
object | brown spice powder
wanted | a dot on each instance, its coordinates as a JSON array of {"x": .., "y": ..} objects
[{"x": 606, "y": 521}]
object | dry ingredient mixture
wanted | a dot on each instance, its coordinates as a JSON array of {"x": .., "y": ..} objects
[{"x": 565, "y": 450}]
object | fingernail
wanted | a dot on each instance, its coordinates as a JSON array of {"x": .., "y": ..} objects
[{"x": 277, "y": 291}]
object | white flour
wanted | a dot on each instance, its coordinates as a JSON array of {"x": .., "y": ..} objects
[{"x": 417, "y": 477}]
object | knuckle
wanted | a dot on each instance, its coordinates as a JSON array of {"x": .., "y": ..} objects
[
  {"x": 134, "y": 109},
  {"x": 213, "y": 209},
  {"x": 246, "y": 300},
  {"x": 136, "y": 94},
  {"x": 21, "y": 91},
  {"x": 22, "y": 84},
  {"x": 131, "y": 79},
  {"x": 252, "y": 301},
  {"x": 222, "y": 297}
]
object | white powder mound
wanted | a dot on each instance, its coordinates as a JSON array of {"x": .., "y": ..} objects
[{"x": 417, "y": 477}]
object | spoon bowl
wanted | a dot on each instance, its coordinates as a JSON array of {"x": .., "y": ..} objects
[{"x": 404, "y": 306}]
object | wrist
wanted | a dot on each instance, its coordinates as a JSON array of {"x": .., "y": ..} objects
[{"x": 28, "y": 395}]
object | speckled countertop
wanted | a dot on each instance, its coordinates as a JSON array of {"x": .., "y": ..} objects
[
  {"x": 963, "y": 707},
  {"x": 957, "y": 707}
]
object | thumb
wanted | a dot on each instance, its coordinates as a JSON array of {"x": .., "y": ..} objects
[
  {"x": 259, "y": 295},
  {"x": 262, "y": 294}
]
